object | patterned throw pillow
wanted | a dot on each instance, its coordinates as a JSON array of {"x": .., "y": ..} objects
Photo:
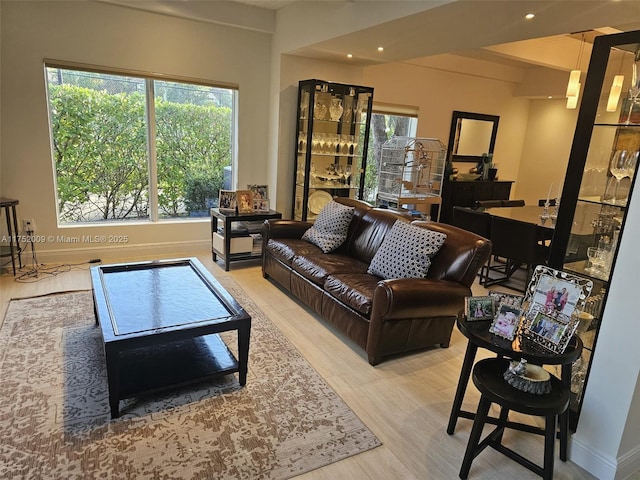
[
  {"x": 406, "y": 252},
  {"x": 330, "y": 228}
]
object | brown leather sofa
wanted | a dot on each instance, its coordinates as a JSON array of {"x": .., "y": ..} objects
[{"x": 383, "y": 317}]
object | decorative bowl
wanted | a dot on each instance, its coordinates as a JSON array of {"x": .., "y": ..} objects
[
  {"x": 528, "y": 378},
  {"x": 468, "y": 176}
]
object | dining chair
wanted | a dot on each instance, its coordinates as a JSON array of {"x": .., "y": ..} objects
[
  {"x": 517, "y": 242},
  {"x": 475, "y": 221},
  {"x": 487, "y": 203}
]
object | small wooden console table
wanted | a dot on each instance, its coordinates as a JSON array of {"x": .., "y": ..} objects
[{"x": 227, "y": 219}]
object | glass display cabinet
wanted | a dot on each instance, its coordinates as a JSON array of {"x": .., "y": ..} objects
[
  {"x": 600, "y": 178},
  {"x": 332, "y": 134},
  {"x": 411, "y": 171}
]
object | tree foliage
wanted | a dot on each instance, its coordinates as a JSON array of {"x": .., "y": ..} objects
[
  {"x": 100, "y": 152},
  {"x": 383, "y": 127}
]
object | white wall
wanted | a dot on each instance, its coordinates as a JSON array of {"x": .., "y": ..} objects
[
  {"x": 86, "y": 32},
  {"x": 546, "y": 148},
  {"x": 438, "y": 93}
]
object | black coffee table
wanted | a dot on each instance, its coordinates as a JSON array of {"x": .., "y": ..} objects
[{"x": 159, "y": 324}]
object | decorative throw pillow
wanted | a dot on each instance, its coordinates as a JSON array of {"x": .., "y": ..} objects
[
  {"x": 406, "y": 252},
  {"x": 330, "y": 228}
]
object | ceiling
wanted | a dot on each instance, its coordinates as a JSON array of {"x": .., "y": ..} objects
[{"x": 449, "y": 27}]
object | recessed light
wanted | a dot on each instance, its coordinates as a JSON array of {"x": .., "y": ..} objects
[
  {"x": 349, "y": 55},
  {"x": 529, "y": 16},
  {"x": 380, "y": 49},
  {"x": 550, "y": 96}
]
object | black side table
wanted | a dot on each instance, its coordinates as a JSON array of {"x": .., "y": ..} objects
[
  {"x": 479, "y": 336},
  {"x": 227, "y": 218},
  {"x": 9, "y": 207}
]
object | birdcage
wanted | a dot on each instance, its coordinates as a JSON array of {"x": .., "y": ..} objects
[{"x": 411, "y": 171}]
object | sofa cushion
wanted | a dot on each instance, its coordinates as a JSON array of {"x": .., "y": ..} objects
[
  {"x": 406, "y": 252},
  {"x": 317, "y": 268},
  {"x": 353, "y": 289},
  {"x": 286, "y": 249},
  {"x": 330, "y": 228},
  {"x": 369, "y": 233}
]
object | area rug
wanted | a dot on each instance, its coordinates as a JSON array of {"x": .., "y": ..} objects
[{"x": 55, "y": 421}]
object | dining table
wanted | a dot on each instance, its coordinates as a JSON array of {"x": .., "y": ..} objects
[{"x": 528, "y": 214}]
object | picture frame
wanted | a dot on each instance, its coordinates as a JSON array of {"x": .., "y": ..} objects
[
  {"x": 260, "y": 197},
  {"x": 551, "y": 320},
  {"x": 227, "y": 201},
  {"x": 507, "y": 298},
  {"x": 556, "y": 292},
  {"x": 551, "y": 332},
  {"x": 479, "y": 308},
  {"x": 261, "y": 205},
  {"x": 245, "y": 201},
  {"x": 260, "y": 192},
  {"x": 507, "y": 321}
]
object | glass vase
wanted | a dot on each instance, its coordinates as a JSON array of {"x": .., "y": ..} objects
[{"x": 336, "y": 109}]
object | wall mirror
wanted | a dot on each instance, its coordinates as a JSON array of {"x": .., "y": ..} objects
[{"x": 471, "y": 135}]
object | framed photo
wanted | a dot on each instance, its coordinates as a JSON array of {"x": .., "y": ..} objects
[
  {"x": 261, "y": 205},
  {"x": 506, "y": 322},
  {"x": 245, "y": 201},
  {"x": 506, "y": 298},
  {"x": 550, "y": 332},
  {"x": 260, "y": 192},
  {"x": 557, "y": 293},
  {"x": 260, "y": 197},
  {"x": 479, "y": 308},
  {"x": 227, "y": 201}
]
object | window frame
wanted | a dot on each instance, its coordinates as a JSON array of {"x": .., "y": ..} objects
[
  {"x": 390, "y": 109},
  {"x": 149, "y": 78}
]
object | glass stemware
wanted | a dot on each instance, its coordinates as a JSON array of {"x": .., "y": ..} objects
[
  {"x": 621, "y": 165},
  {"x": 634, "y": 89},
  {"x": 594, "y": 254}
]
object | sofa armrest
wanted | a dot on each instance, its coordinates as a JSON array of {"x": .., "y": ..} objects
[
  {"x": 278, "y": 228},
  {"x": 417, "y": 298}
]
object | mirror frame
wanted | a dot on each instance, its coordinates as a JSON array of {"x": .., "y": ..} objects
[{"x": 457, "y": 115}]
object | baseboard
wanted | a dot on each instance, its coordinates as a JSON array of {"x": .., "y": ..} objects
[
  {"x": 119, "y": 252},
  {"x": 600, "y": 466},
  {"x": 628, "y": 464}
]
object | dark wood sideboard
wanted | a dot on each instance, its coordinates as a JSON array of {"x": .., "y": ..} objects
[{"x": 465, "y": 194}]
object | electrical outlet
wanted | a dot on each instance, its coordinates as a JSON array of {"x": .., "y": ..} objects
[{"x": 28, "y": 225}]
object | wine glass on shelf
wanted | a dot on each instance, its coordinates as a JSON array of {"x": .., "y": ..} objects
[
  {"x": 631, "y": 164},
  {"x": 351, "y": 145},
  {"x": 618, "y": 168},
  {"x": 348, "y": 170},
  {"x": 594, "y": 255},
  {"x": 634, "y": 89}
]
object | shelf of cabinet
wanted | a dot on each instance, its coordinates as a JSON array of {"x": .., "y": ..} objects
[{"x": 618, "y": 125}]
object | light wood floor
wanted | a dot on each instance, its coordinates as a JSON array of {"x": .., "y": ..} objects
[{"x": 405, "y": 401}]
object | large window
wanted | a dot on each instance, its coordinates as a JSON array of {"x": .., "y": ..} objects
[
  {"x": 386, "y": 121},
  {"x": 131, "y": 148}
]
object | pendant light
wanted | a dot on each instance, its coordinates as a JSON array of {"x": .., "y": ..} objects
[
  {"x": 573, "y": 87},
  {"x": 616, "y": 89},
  {"x": 572, "y": 101}
]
